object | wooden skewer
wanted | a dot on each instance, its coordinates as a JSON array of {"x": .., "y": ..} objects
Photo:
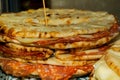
[{"x": 45, "y": 12}]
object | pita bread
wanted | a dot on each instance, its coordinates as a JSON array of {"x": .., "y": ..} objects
[
  {"x": 109, "y": 65},
  {"x": 113, "y": 58},
  {"x": 103, "y": 72},
  {"x": 74, "y": 29},
  {"x": 29, "y": 47},
  {"x": 79, "y": 55},
  {"x": 25, "y": 52},
  {"x": 31, "y": 23},
  {"x": 79, "y": 44},
  {"x": 83, "y": 44}
]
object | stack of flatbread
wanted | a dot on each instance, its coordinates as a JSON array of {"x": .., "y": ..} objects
[
  {"x": 69, "y": 44},
  {"x": 108, "y": 67}
]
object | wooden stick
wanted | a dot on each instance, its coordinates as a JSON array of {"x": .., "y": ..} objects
[{"x": 45, "y": 12}]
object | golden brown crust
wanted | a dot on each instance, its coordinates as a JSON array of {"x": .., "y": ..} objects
[
  {"x": 25, "y": 52},
  {"x": 113, "y": 63},
  {"x": 79, "y": 55},
  {"x": 80, "y": 44},
  {"x": 27, "y": 44},
  {"x": 32, "y": 24},
  {"x": 113, "y": 57},
  {"x": 75, "y": 29},
  {"x": 109, "y": 63}
]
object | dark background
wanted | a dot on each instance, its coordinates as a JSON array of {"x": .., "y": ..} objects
[
  {"x": 19, "y": 5},
  {"x": 111, "y": 6}
]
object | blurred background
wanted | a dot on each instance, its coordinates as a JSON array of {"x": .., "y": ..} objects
[{"x": 111, "y": 6}]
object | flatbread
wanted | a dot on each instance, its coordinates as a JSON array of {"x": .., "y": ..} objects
[
  {"x": 65, "y": 45},
  {"x": 80, "y": 55},
  {"x": 83, "y": 44},
  {"x": 113, "y": 58},
  {"x": 12, "y": 50},
  {"x": 74, "y": 29},
  {"x": 29, "y": 46},
  {"x": 102, "y": 71},
  {"x": 108, "y": 67},
  {"x": 31, "y": 23}
]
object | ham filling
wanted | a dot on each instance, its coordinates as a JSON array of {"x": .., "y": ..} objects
[
  {"x": 34, "y": 55},
  {"x": 20, "y": 69}
]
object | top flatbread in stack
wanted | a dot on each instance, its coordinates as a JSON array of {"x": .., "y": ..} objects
[
  {"x": 69, "y": 45},
  {"x": 74, "y": 29}
]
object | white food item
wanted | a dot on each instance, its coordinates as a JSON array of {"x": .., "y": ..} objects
[{"x": 103, "y": 72}]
